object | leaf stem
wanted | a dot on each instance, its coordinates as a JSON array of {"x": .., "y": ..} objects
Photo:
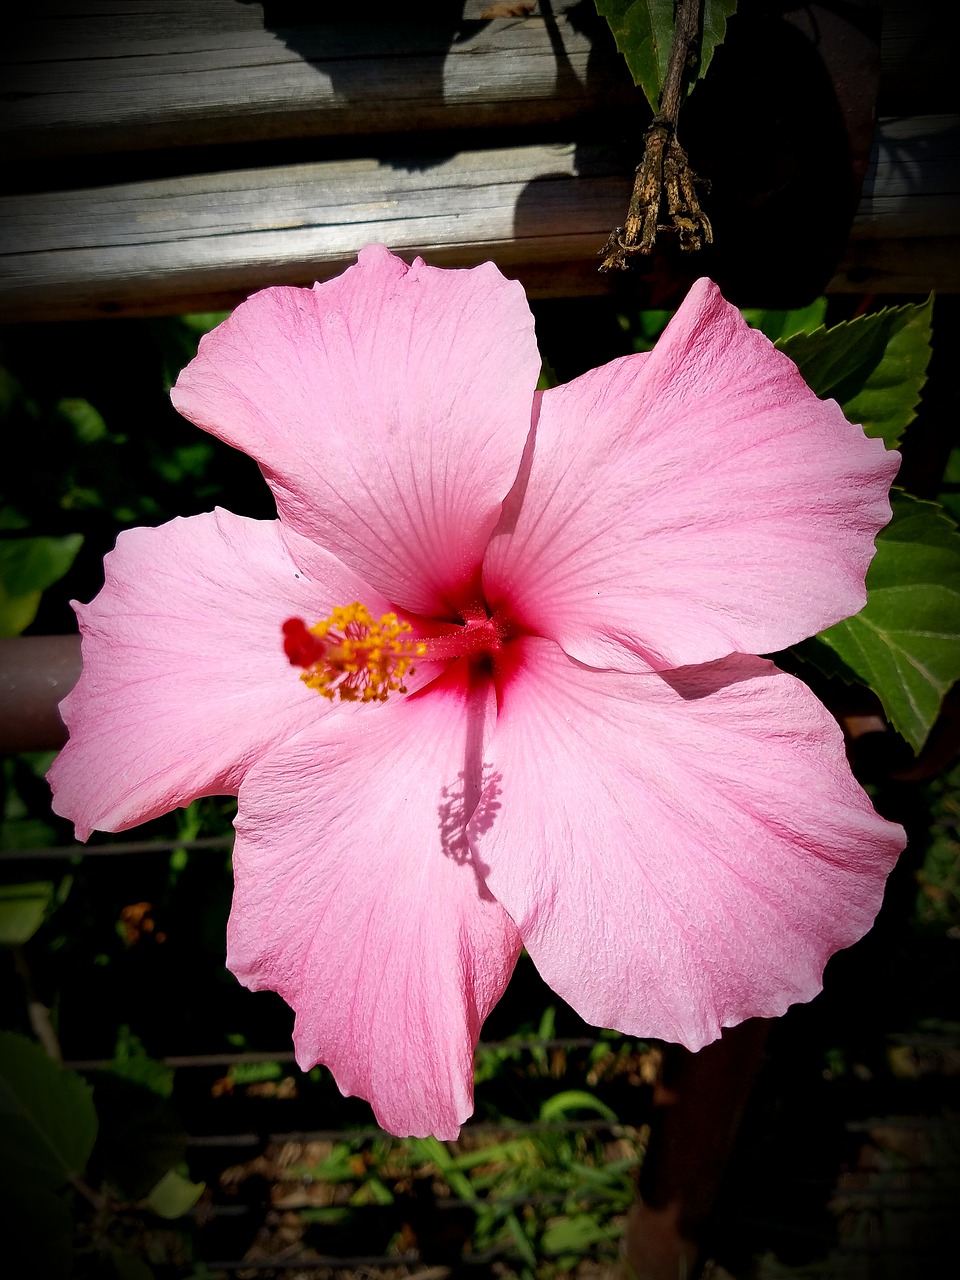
[
  {"x": 98, "y": 1201},
  {"x": 683, "y": 55},
  {"x": 664, "y": 176}
]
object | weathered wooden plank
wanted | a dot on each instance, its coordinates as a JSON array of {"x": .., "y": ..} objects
[
  {"x": 541, "y": 212},
  {"x": 154, "y": 246},
  {"x": 89, "y": 89},
  {"x": 68, "y": 24},
  {"x": 906, "y": 233},
  {"x": 911, "y": 185},
  {"x": 918, "y": 265},
  {"x": 112, "y": 75}
]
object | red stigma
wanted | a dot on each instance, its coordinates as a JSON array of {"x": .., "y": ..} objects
[{"x": 299, "y": 644}]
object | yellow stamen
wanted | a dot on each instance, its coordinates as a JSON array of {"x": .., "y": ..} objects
[{"x": 363, "y": 660}]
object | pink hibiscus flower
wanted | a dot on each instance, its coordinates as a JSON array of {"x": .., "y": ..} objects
[{"x": 578, "y": 754}]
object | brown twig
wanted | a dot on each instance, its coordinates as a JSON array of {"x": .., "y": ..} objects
[{"x": 664, "y": 176}]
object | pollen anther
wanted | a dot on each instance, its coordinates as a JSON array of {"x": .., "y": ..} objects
[{"x": 352, "y": 656}]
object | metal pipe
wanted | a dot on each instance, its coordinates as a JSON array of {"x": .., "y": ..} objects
[{"x": 36, "y": 674}]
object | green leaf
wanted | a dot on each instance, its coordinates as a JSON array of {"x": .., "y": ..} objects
[
  {"x": 575, "y": 1234},
  {"x": 548, "y": 377},
  {"x": 643, "y": 30},
  {"x": 174, "y": 1195},
  {"x": 432, "y": 1149},
  {"x": 177, "y": 338},
  {"x": 557, "y": 1107},
  {"x": 950, "y": 488},
  {"x": 784, "y": 324},
  {"x": 27, "y": 567},
  {"x": 874, "y": 366},
  {"x": 644, "y": 327},
  {"x": 372, "y": 1191},
  {"x": 22, "y": 908},
  {"x": 715, "y": 14},
  {"x": 132, "y": 1062},
  {"x": 10, "y": 518},
  {"x": 86, "y": 420},
  {"x": 905, "y": 643},
  {"x": 47, "y": 1121},
  {"x": 201, "y": 322},
  {"x": 515, "y": 1151}
]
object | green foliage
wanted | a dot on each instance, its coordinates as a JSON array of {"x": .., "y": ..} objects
[
  {"x": 25, "y": 801},
  {"x": 51, "y": 1135},
  {"x": 132, "y": 1062},
  {"x": 519, "y": 1187},
  {"x": 48, "y": 1120},
  {"x": 574, "y": 1236},
  {"x": 938, "y": 878},
  {"x": 177, "y": 340},
  {"x": 950, "y": 491},
  {"x": 569, "y": 1175},
  {"x": 561, "y": 1104},
  {"x": 548, "y": 377},
  {"x": 27, "y": 567},
  {"x": 87, "y": 422},
  {"x": 874, "y": 366},
  {"x": 489, "y": 1060},
  {"x": 201, "y": 322},
  {"x": 243, "y": 1073},
  {"x": 905, "y": 644},
  {"x": 645, "y": 327},
  {"x": 140, "y": 1138},
  {"x": 784, "y": 324},
  {"x": 100, "y": 447},
  {"x": 174, "y": 1195},
  {"x": 643, "y": 30},
  {"x": 22, "y": 909}
]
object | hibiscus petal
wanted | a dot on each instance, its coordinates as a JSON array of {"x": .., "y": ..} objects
[
  {"x": 691, "y": 503},
  {"x": 388, "y": 409},
  {"x": 356, "y": 899},
  {"x": 184, "y": 680},
  {"x": 682, "y": 851}
]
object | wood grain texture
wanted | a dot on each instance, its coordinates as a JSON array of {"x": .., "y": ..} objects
[
  {"x": 906, "y": 234},
  {"x": 94, "y": 76},
  {"x": 101, "y": 78},
  {"x": 105, "y": 81},
  {"x": 540, "y": 212},
  {"x": 156, "y": 246}
]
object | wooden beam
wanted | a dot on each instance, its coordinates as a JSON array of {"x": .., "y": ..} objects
[
  {"x": 104, "y": 81},
  {"x": 540, "y": 212},
  {"x": 905, "y": 235},
  {"x": 193, "y": 242},
  {"x": 95, "y": 76}
]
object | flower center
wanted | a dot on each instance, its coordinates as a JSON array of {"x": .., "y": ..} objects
[{"x": 353, "y": 656}]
